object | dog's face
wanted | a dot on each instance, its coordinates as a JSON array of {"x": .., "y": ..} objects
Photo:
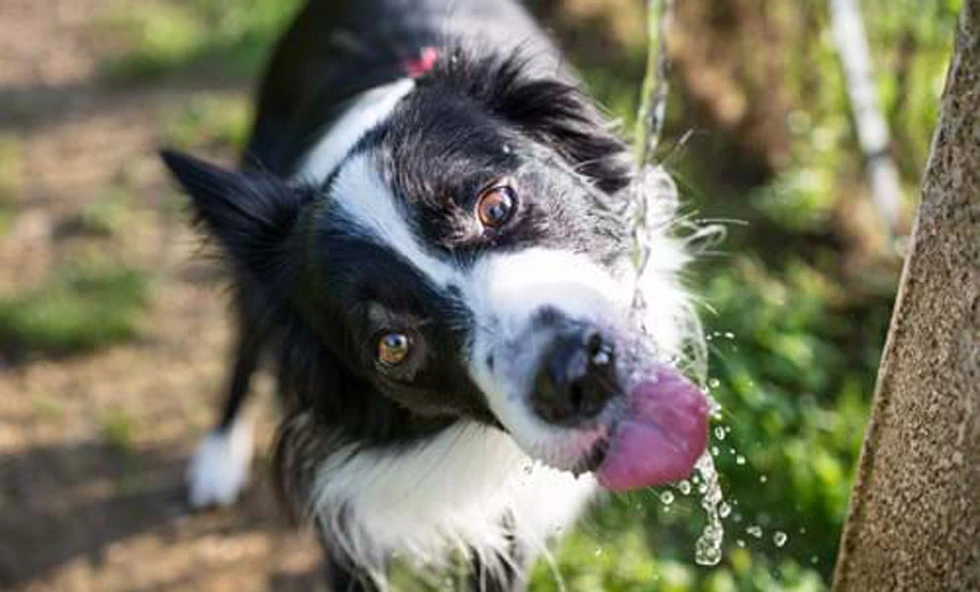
[{"x": 465, "y": 260}]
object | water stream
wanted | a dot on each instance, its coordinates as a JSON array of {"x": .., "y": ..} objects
[{"x": 707, "y": 549}]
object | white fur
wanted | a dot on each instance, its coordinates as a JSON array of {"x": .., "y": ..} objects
[
  {"x": 444, "y": 494},
  {"x": 219, "y": 469},
  {"x": 365, "y": 112},
  {"x": 369, "y": 204}
]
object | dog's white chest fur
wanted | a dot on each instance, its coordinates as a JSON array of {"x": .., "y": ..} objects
[{"x": 453, "y": 491}]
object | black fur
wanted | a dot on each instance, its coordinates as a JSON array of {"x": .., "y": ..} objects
[{"x": 313, "y": 291}]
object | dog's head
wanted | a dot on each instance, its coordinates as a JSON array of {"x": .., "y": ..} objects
[{"x": 468, "y": 258}]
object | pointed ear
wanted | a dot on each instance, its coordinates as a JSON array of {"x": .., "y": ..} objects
[{"x": 251, "y": 214}]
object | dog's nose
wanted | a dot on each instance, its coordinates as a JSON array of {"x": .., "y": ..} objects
[{"x": 576, "y": 377}]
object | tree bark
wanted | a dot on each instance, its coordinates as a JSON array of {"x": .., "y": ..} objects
[{"x": 914, "y": 521}]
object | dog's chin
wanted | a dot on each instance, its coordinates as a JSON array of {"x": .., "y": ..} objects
[{"x": 652, "y": 434}]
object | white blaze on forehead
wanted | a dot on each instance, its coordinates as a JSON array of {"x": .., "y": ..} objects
[
  {"x": 359, "y": 189},
  {"x": 510, "y": 288},
  {"x": 364, "y": 114},
  {"x": 370, "y": 204}
]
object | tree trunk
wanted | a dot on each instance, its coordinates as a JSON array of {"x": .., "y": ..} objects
[{"x": 914, "y": 522}]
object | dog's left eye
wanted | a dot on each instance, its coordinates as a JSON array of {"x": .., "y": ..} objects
[
  {"x": 393, "y": 348},
  {"x": 496, "y": 205}
]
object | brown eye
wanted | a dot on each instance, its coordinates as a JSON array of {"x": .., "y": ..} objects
[
  {"x": 393, "y": 348},
  {"x": 496, "y": 205}
]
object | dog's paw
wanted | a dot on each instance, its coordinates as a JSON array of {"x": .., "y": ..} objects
[{"x": 219, "y": 469}]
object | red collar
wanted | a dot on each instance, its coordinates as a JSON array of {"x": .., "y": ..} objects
[{"x": 421, "y": 65}]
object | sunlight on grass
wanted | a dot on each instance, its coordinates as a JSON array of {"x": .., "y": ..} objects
[
  {"x": 103, "y": 218},
  {"x": 118, "y": 429},
  {"x": 11, "y": 178},
  {"x": 79, "y": 308},
  {"x": 209, "y": 120},
  {"x": 229, "y": 39}
]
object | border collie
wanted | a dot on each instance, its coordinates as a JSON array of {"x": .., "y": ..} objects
[{"x": 427, "y": 235}]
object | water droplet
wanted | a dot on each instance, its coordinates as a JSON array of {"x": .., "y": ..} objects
[
  {"x": 740, "y": 543},
  {"x": 667, "y": 498},
  {"x": 755, "y": 531},
  {"x": 720, "y": 433},
  {"x": 740, "y": 460},
  {"x": 714, "y": 407},
  {"x": 724, "y": 510},
  {"x": 714, "y": 451},
  {"x": 763, "y": 479},
  {"x": 729, "y": 335},
  {"x": 731, "y": 451},
  {"x": 714, "y": 383},
  {"x": 780, "y": 538},
  {"x": 802, "y": 530}
]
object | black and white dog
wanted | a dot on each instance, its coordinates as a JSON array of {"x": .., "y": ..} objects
[{"x": 427, "y": 235}]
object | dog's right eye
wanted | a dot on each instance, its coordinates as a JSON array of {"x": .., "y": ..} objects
[
  {"x": 496, "y": 205},
  {"x": 393, "y": 348}
]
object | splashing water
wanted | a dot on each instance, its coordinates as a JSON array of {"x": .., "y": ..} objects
[
  {"x": 779, "y": 539},
  {"x": 724, "y": 510},
  {"x": 707, "y": 549}
]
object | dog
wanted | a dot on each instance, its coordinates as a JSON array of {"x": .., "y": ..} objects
[{"x": 427, "y": 237}]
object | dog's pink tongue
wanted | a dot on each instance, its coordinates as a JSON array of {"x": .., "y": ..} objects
[{"x": 662, "y": 436}]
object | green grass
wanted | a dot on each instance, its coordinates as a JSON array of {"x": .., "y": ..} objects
[
  {"x": 118, "y": 429},
  {"x": 216, "y": 37},
  {"x": 11, "y": 178},
  {"x": 103, "y": 218},
  {"x": 79, "y": 308},
  {"x": 209, "y": 120}
]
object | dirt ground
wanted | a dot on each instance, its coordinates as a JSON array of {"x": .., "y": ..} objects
[{"x": 93, "y": 447}]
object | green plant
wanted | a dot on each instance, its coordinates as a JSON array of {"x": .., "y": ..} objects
[
  {"x": 11, "y": 177},
  {"x": 229, "y": 38},
  {"x": 211, "y": 120},
  {"x": 78, "y": 308}
]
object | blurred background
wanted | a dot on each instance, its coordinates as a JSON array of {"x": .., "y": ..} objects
[{"x": 113, "y": 331}]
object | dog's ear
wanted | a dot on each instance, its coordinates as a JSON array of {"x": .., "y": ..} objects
[{"x": 251, "y": 214}]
